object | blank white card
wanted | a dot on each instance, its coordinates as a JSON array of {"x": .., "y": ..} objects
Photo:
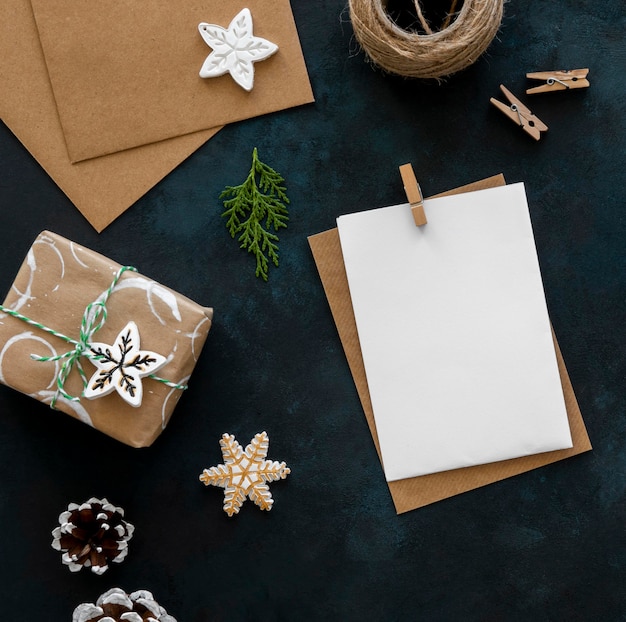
[{"x": 455, "y": 333}]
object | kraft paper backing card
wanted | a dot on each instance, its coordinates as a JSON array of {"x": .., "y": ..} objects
[
  {"x": 102, "y": 188},
  {"x": 117, "y": 64},
  {"x": 416, "y": 492}
]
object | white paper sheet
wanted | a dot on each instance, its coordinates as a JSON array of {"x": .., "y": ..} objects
[{"x": 455, "y": 333}]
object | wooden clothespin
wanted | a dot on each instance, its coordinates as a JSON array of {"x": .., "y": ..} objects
[
  {"x": 520, "y": 114},
  {"x": 559, "y": 80},
  {"x": 414, "y": 194}
]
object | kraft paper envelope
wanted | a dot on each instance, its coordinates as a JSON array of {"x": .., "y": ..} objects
[
  {"x": 102, "y": 188},
  {"x": 416, "y": 492},
  {"x": 126, "y": 74}
]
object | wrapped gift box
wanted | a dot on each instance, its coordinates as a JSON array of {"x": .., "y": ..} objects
[{"x": 53, "y": 289}]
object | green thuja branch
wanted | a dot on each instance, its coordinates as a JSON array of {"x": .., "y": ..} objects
[{"x": 249, "y": 205}]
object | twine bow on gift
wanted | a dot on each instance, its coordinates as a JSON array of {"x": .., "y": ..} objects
[{"x": 94, "y": 318}]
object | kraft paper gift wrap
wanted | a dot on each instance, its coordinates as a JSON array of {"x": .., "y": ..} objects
[{"x": 55, "y": 284}]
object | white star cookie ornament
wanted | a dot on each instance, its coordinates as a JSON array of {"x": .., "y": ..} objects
[
  {"x": 235, "y": 49},
  {"x": 245, "y": 473},
  {"x": 121, "y": 366}
]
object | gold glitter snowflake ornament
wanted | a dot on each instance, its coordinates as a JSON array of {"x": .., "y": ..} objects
[{"x": 245, "y": 473}]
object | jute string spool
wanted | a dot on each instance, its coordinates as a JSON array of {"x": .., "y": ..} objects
[{"x": 458, "y": 44}]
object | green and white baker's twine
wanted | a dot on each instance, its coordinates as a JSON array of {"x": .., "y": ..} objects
[{"x": 93, "y": 320}]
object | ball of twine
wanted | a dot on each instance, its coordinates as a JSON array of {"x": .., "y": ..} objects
[{"x": 457, "y": 45}]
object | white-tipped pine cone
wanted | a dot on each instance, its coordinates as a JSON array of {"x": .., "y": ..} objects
[
  {"x": 117, "y": 606},
  {"x": 91, "y": 535}
]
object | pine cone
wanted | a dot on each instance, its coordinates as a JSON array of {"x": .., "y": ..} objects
[
  {"x": 91, "y": 535},
  {"x": 117, "y": 606}
]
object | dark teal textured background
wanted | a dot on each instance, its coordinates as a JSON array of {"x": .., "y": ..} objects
[{"x": 546, "y": 545}]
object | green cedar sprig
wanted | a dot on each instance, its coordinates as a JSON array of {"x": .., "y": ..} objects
[{"x": 249, "y": 204}]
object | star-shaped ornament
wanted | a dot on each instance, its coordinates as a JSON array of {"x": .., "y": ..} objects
[
  {"x": 121, "y": 366},
  {"x": 245, "y": 473},
  {"x": 235, "y": 49}
]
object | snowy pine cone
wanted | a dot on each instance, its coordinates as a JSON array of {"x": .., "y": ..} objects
[
  {"x": 117, "y": 606},
  {"x": 92, "y": 535}
]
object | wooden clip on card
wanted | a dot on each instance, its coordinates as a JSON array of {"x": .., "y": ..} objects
[
  {"x": 413, "y": 194},
  {"x": 559, "y": 80}
]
